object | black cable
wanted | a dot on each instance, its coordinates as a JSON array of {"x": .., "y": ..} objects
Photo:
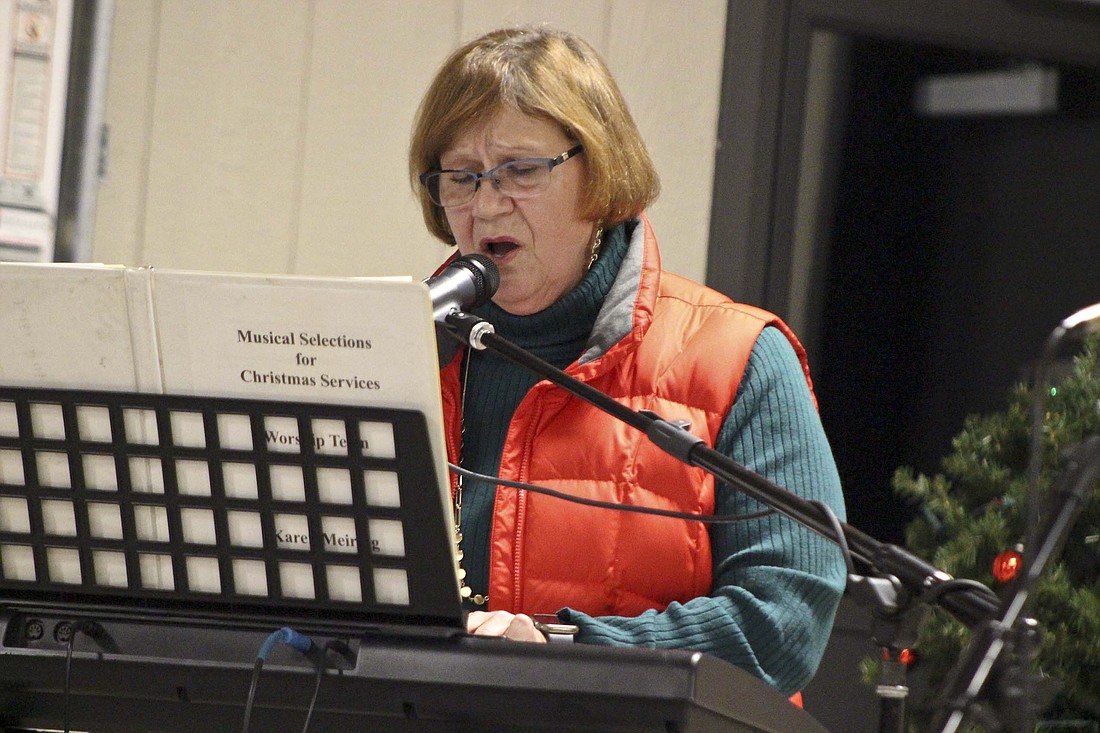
[
  {"x": 316, "y": 689},
  {"x": 704, "y": 518},
  {"x": 840, "y": 539},
  {"x": 285, "y": 635},
  {"x": 68, "y": 675},
  {"x": 256, "y": 667},
  {"x": 1039, "y": 392},
  {"x": 93, "y": 631},
  {"x": 953, "y": 586},
  {"x": 331, "y": 645},
  {"x": 1079, "y": 324}
]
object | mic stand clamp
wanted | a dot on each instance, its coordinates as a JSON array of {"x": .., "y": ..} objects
[
  {"x": 671, "y": 436},
  {"x": 468, "y": 329}
]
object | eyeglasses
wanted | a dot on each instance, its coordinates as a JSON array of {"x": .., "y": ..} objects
[{"x": 518, "y": 179}]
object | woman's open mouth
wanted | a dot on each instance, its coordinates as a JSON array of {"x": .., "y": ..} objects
[{"x": 500, "y": 249}]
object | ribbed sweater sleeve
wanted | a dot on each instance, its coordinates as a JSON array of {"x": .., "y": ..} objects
[{"x": 776, "y": 584}]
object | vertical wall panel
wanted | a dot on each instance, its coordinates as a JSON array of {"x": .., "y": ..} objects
[
  {"x": 668, "y": 60},
  {"x": 120, "y": 202},
  {"x": 225, "y": 135},
  {"x": 370, "y": 65}
]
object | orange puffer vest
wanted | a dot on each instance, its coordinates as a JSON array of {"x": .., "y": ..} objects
[{"x": 682, "y": 357}]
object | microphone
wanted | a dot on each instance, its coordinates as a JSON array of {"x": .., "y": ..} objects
[{"x": 466, "y": 282}]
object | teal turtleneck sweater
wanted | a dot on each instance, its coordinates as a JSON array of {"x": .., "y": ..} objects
[
  {"x": 752, "y": 619},
  {"x": 495, "y": 387}
]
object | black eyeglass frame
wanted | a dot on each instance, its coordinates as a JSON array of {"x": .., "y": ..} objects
[{"x": 550, "y": 163}]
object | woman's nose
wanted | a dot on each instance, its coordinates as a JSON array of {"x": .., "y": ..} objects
[{"x": 489, "y": 201}]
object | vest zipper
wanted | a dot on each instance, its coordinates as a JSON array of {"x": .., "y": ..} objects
[{"x": 521, "y": 497}]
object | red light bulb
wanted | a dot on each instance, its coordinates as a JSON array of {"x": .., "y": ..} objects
[{"x": 1006, "y": 565}]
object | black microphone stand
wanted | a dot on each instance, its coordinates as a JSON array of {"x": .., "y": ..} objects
[{"x": 900, "y": 581}]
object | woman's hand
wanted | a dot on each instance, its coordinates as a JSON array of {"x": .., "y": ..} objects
[{"x": 517, "y": 627}]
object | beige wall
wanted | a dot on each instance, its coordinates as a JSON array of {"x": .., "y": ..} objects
[{"x": 270, "y": 135}]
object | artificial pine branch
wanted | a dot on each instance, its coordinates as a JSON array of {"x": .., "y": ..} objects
[{"x": 977, "y": 508}]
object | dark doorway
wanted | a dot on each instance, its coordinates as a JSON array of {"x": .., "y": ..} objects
[
  {"x": 944, "y": 247},
  {"x": 959, "y": 242}
]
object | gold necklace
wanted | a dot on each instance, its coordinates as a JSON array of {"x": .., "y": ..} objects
[
  {"x": 596, "y": 242},
  {"x": 465, "y": 591}
]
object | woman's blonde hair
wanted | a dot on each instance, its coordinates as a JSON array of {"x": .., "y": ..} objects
[{"x": 544, "y": 73}]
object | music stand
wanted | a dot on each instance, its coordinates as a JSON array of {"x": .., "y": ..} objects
[{"x": 158, "y": 505}]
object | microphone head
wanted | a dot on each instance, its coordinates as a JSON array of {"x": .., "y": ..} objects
[
  {"x": 1086, "y": 319},
  {"x": 485, "y": 273},
  {"x": 466, "y": 282}
]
